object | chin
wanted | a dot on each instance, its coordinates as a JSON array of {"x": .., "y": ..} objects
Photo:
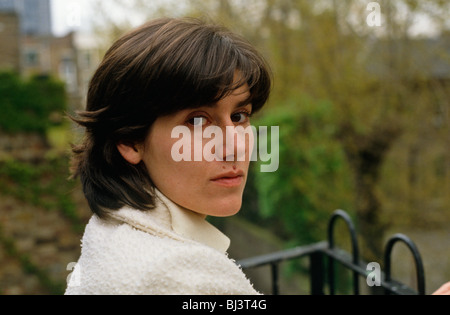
[{"x": 226, "y": 207}]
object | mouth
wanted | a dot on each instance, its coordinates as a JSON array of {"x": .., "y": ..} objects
[{"x": 230, "y": 179}]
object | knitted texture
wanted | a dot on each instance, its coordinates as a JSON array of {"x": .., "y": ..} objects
[{"x": 138, "y": 253}]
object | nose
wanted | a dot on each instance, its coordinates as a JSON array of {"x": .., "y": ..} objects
[
  {"x": 236, "y": 144},
  {"x": 230, "y": 143}
]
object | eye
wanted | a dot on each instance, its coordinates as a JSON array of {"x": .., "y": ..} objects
[
  {"x": 241, "y": 117},
  {"x": 198, "y": 121}
]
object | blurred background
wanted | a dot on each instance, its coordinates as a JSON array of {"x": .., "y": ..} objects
[{"x": 361, "y": 95}]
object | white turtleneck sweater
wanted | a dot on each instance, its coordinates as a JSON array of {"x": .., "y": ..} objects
[{"x": 168, "y": 250}]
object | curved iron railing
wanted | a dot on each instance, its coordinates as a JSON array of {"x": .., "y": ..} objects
[
  {"x": 420, "y": 273},
  {"x": 355, "y": 249},
  {"x": 327, "y": 250}
]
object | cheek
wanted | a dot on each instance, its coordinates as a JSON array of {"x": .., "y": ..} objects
[
  {"x": 157, "y": 156},
  {"x": 187, "y": 183},
  {"x": 164, "y": 170}
]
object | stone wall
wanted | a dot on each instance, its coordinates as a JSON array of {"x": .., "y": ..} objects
[
  {"x": 36, "y": 247},
  {"x": 23, "y": 147},
  {"x": 36, "y": 242}
]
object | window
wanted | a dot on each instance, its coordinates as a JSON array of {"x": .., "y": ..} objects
[{"x": 32, "y": 58}]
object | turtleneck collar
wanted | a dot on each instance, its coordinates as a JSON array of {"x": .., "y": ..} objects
[{"x": 171, "y": 220}]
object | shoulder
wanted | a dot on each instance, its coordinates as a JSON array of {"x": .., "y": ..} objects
[
  {"x": 114, "y": 258},
  {"x": 118, "y": 259},
  {"x": 201, "y": 270}
]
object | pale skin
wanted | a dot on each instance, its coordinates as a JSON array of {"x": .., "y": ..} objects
[
  {"x": 444, "y": 290},
  {"x": 209, "y": 188}
]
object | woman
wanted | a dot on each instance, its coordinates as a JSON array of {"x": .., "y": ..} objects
[{"x": 149, "y": 234}]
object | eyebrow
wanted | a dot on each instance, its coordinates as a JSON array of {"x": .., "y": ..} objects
[{"x": 245, "y": 102}]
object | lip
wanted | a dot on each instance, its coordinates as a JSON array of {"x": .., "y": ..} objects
[{"x": 230, "y": 179}]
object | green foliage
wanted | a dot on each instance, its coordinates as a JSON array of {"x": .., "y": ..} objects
[
  {"x": 312, "y": 179},
  {"x": 43, "y": 185},
  {"x": 27, "y": 106}
]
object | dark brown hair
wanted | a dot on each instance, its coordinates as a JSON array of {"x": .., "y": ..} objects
[{"x": 157, "y": 69}]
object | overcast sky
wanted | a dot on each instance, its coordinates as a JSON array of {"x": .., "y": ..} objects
[
  {"x": 70, "y": 15},
  {"x": 76, "y": 15}
]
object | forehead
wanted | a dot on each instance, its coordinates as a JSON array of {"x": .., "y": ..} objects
[
  {"x": 236, "y": 98},
  {"x": 241, "y": 97}
]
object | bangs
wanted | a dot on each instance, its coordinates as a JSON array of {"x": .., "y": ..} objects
[
  {"x": 230, "y": 64},
  {"x": 205, "y": 64},
  {"x": 169, "y": 65}
]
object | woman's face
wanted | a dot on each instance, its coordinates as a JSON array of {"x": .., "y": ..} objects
[{"x": 211, "y": 188}]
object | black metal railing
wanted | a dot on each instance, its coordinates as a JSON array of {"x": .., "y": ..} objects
[{"x": 324, "y": 255}]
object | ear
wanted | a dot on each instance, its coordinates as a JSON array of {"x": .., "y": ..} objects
[{"x": 129, "y": 152}]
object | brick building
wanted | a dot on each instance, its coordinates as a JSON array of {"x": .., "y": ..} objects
[
  {"x": 34, "y": 15},
  {"x": 33, "y": 50},
  {"x": 10, "y": 39}
]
